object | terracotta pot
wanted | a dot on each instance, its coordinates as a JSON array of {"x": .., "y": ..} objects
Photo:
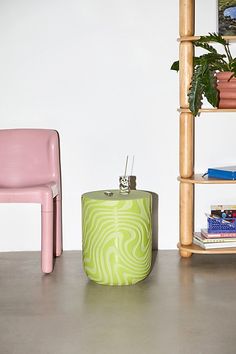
[{"x": 227, "y": 90}]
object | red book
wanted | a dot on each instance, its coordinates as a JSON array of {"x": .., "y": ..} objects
[{"x": 219, "y": 235}]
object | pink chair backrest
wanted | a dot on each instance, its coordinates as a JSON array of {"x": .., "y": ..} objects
[{"x": 29, "y": 157}]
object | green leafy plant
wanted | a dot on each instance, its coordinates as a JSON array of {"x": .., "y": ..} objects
[{"x": 205, "y": 66}]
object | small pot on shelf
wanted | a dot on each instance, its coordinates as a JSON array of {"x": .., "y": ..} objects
[{"x": 226, "y": 85}]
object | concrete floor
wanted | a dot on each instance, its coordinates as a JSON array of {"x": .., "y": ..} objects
[{"x": 184, "y": 306}]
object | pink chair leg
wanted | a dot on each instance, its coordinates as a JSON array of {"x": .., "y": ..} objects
[
  {"x": 47, "y": 242},
  {"x": 58, "y": 227}
]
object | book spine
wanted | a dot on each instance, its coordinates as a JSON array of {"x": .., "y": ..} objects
[
  {"x": 220, "y": 174},
  {"x": 218, "y": 235},
  {"x": 217, "y": 239},
  {"x": 214, "y": 245},
  {"x": 198, "y": 243},
  {"x": 223, "y": 207}
]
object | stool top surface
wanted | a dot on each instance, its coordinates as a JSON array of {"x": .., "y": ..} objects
[{"x": 116, "y": 195}]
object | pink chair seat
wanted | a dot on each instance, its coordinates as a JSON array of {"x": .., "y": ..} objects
[
  {"x": 30, "y": 173},
  {"x": 29, "y": 194}
]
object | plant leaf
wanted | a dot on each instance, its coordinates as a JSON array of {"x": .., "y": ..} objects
[
  {"x": 232, "y": 67},
  {"x": 214, "y": 61},
  {"x": 212, "y": 37},
  {"x": 196, "y": 91},
  {"x": 175, "y": 66},
  {"x": 205, "y": 46},
  {"x": 210, "y": 91}
]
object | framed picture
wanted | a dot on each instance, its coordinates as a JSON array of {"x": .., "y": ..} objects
[{"x": 227, "y": 17}]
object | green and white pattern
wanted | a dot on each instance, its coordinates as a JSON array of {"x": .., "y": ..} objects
[{"x": 117, "y": 237}]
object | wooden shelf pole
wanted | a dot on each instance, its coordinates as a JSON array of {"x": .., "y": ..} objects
[
  {"x": 186, "y": 17},
  {"x": 186, "y": 216},
  {"x": 185, "y": 71},
  {"x": 186, "y": 165},
  {"x": 186, "y": 148}
]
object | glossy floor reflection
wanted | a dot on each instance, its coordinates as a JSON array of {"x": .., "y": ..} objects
[{"x": 184, "y": 306}]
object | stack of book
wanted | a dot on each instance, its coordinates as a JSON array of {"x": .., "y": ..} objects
[
  {"x": 221, "y": 231},
  {"x": 219, "y": 240}
]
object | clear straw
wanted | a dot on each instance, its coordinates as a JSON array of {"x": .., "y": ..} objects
[
  {"x": 132, "y": 167},
  {"x": 126, "y": 164}
]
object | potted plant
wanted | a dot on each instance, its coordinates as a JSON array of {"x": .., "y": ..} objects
[{"x": 208, "y": 72}]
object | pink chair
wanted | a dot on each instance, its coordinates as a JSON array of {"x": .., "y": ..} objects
[{"x": 30, "y": 173}]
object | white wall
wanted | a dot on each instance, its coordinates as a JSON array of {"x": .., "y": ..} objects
[{"x": 98, "y": 72}]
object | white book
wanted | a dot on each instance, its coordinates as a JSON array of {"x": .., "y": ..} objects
[{"x": 214, "y": 244}]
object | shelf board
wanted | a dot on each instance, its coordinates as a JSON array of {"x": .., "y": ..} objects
[
  {"x": 195, "y": 38},
  {"x": 196, "y": 249},
  {"x": 198, "y": 179},
  {"x": 209, "y": 110}
]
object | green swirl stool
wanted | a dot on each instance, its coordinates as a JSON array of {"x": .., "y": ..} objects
[{"x": 117, "y": 236}]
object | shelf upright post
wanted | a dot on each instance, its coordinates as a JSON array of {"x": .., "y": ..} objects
[{"x": 186, "y": 158}]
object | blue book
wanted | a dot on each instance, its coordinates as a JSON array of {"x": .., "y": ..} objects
[{"x": 227, "y": 172}]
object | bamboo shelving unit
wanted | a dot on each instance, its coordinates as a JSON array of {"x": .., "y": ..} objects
[{"x": 187, "y": 177}]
